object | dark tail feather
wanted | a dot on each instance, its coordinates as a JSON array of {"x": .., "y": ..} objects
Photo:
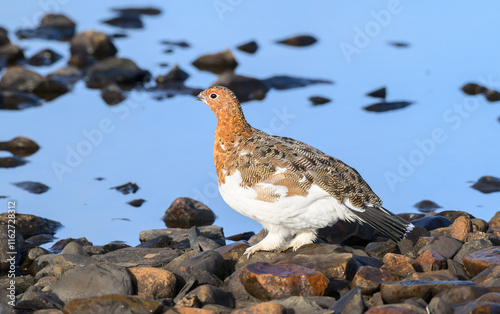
[{"x": 385, "y": 222}]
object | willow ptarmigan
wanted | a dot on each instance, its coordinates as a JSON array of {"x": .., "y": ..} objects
[{"x": 289, "y": 187}]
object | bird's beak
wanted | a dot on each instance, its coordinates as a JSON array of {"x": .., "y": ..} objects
[{"x": 199, "y": 98}]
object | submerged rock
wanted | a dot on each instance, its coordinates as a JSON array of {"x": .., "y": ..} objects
[
  {"x": 112, "y": 95},
  {"x": 17, "y": 78},
  {"x": 487, "y": 184},
  {"x": 139, "y": 10},
  {"x": 20, "y": 146},
  {"x": 249, "y": 47},
  {"x": 88, "y": 46},
  {"x": 378, "y": 93},
  {"x": 31, "y": 225},
  {"x": 52, "y": 26},
  {"x": 217, "y": 62},
  {"x": 319, "y": 100},
  {"x": 473, "y": 89},
  {"x": 44, "y": 57},
  {"x": 387, "y": 106},
  {"x": 10, "y": 54},
  {"x": 245, "y": 88},
  {"x": 126, "y": 188},
  {"x": 298, "y": 41},
  {"x": 121, "y": 71},
  {"x": 426, "y": 206},
  {"x": 32, "y": 187},
  {"x": 175, "y": 76},
  {"x": 137, "y": 202},
  {"x": 283, "y": 82},
  {"x": 126, "y": 21}
]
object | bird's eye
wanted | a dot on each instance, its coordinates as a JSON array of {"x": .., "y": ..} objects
[{"x": 214, "y": 95}]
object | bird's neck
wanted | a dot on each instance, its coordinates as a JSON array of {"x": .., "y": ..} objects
[{"x": 231, "y": 124}]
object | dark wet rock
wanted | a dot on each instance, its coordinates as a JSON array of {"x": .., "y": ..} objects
[
  {"x": 44, "y": 57},
  {"x": 490, "y": 277},
  {"x": 217, "y": 62},
  {"x": 202, "y": 277},
  {"x": 394, "y": 292},
  {"x": 298, "y": 41},
  {"x": 139, "y": 10},
  {"x": 445, "y": 246},
  {"x": 126, "y": 21},
  {"x": 387, "y": 106},
  {"x": 246, "y": 88},
  {"x": 300, "y": 304},
  {"x": 478, "y": 307},
  {"x": 93, "y": 280},
  {"x": 175, "y": 76},
  {"x": 153, "y": 283},
  {"x": 378, "y": 93},
  {"x": 487, "y": 184},
  {"x": 429, "y": 261},
  {"x": 181, "y": 44},
  {"x": 67, "y": 75},
  {"x": 379, "y": 249},
  {"x": 137, "y": 202},
  {"x": 435, "y": 275},
  {"x": 471, "y": 247},
  {"x": 127, "y": 188},
  {"x": 231, "y": 253},
  {"x": 267, "y": 282},
  {"x": 61, "y": 244},
  {"x": 446, "y": 299},
  {"x": 12, "y": 162},
  {"x": 158, "y": 242},
  {"x": 492, "y": 95},
  {"x": 399, "y": 44},
  {"x": 12, "y": 100},
  {"x": 178, "y": 235},
  {"x": 283, "y": 82},
  {"x": 185, "y": 212},
  {"x": 244, "y": 236},
  {"x": 479, "y": 225},
  {"x": 209, "y": 261},
  {"x": 52, "y": 26},
  {"x": 473, "y": 89},
  {"x": 454, "y": 214},
  {"x": 4, "y": 37},
  {"x": 59, "y": 264},
  {"x": 249, "y": 47},
  {"x": 457, "y": 270},
  {"x": 35, "y": 298},
  {"x": 208, "y": 294},
  {"x": 119, "y": 35},
  {"x": 398, "y": 265},
  {"x": 112, "y": 303},
  {"x": 407, "y": 245},
  {"x": 89, "y": 46},
  {"x": 478, "y": 261},
  {"x": 264, "y": 307},
  {"x": 50, "y": 89},
  {"x": 10, "y": 54},
  {"x": 121, "y": 71},
  {"x": 352, "y": 302},
  {"x": 200, "y": 243},
  {"x": 139, "y": 257},
  {"x": 369, "y": 279},
  {"x": 20, "y": 146},
  {"x": 318, "y": 100},
  {"x": 103, "y": 249},
  {"x": 12, "y": 241},
  {"x": 17, "y": 78},
  {"x": 112, "y": 94},
  {"x": 32, "y": 187},
  {"x": 426, "y": 206},
  {"x": 431, "y": 222},
  {"x": 31, "y": 256},
  {"x": 399, "y": 308}
]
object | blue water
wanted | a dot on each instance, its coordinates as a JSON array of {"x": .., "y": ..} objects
[{"x": 166, "y": 147}]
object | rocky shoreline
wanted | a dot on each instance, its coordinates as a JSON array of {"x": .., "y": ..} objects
[{"x": 450, "y": 263}]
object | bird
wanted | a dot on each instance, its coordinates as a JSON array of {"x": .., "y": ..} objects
[{"x": 291, "y": 188}]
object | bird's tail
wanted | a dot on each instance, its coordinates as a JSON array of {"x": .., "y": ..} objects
[{"x": 382, "y": 220}]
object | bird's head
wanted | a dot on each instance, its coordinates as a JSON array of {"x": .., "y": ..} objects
[{"x": 219, "y": 99}]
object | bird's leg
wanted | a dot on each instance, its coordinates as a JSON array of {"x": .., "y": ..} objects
[
  {"x": 273, "y": 241},
  {"x": 302, "y": 238}
]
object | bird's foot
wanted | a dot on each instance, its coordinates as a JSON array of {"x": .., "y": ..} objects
[
  {"x": 270, "y": 243},
  {"x": 300, "y": 240}
]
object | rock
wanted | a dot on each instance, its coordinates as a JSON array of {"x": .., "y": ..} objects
[
  {"x": 158, "y": 242},
  {"x": 387, "y": 106},
  {"x": 185, "y": 212},
  {"x": 32, "y": 255},
  {"x": 445, "y": 246},
  {"x": 44, "y": 57},
  {"x": 376, "y": 300},
  {"x": 4, "y": 38},
  {"x": 459, "y": 229},
  {"x": 153, "y": 283},
  {"x": 112, "y": 304},
  {"x": 352, "y": 302},
  {"x": 487, "y": 184},
  {"x": 17, "y": 78},
  {"x": 266, "y": 282},
  {"x": 208, "y": 294},
  {"x": 10, "y": 55},
  {"x": 489, "y": 297},
  {"x": 67, "y": 75},
  {"x": 399, "y": 44},
  {"x": 11, "y": 100},
  {"x": 478, "y": 261},
  {"x": 426, "y": 206},
  {"x": 12, "y": 241},
  {"x": 216, "y": 63},
  {"x": 209, "y": 261},
  {"x": 318, "y": 100},
  {"x": 139, "y": 257},
  {"x": 479, "y": 224},
  {"x": 41, "y": 262},
  {"x": 244, "y": 236},
  {"x": 457, "y": 269},
  {"x": 103, "y": 249},
  {"x": 127, "y": 188},
  {"x": 494, "y": 224},
  {"x": 368, "y": 279},
  {"x": 431, "y": 222},
  {"x": 121, "y": 71},
  {"x": 49, "y": 89},
  {"x": 436, "y": 275},
  {"x": 283, "y": 82},
  {"x": 138, "y": 10},
  {"x": 20, "y": 146},
  {"x": 300, "y": 305},
  {"x": 60, "y": 264},
  {"x": 429, "y": 261},
  {"x": 126, "y": 21},
  {"x": 379, "y": 249},
  {"x": 394, "y": 292},
  {"x": 378, "y": 93},
  {"x": 202, "y": 277},
  {"x": 74, "y": 248},
  {"x": 470, "y": 247},
  {"x": 89, "y": 46},
  {"x": 93, "y": 280},
  {"x": 452, "y": 215},
  {"x": 112, "y": 95},
  {"x": 175, "y": 76},
  {"x": 490, "y": 277},
  {"x": 12, "y": 162},
  {"x": 31, "y": 225},
  {"x": 298, "y": 41},
  {"x": 264, "y": 307},
  {"x": 200, "y": 243},
  {"x": 217, "y": 308},
  {"x": 232, "y": 253},
  {"x": 245, "y": 88},
  {"x": 181, "y": 43},
  {"x": 492, "y": 95},
  {"x": 398, "y": 265},
  {"x": 473, "y": 89},
  {"x": 137, "y": 202},
  {"x": 249, "y": 47},
  {"x": 189, "y": 285},
  {"x": 61, "y": 244},
  {"x": 478, "y": 307},
  {"x": 261, "y": 235},
  {"x": 52, "y": 27},
  {"x": 21, "y": 283},
  {"x": 178, "y": 235},
  {"x": 397, "y": 309},
  {"x": 34, "y": 298},
  {"x": 445, "y": 299}
]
